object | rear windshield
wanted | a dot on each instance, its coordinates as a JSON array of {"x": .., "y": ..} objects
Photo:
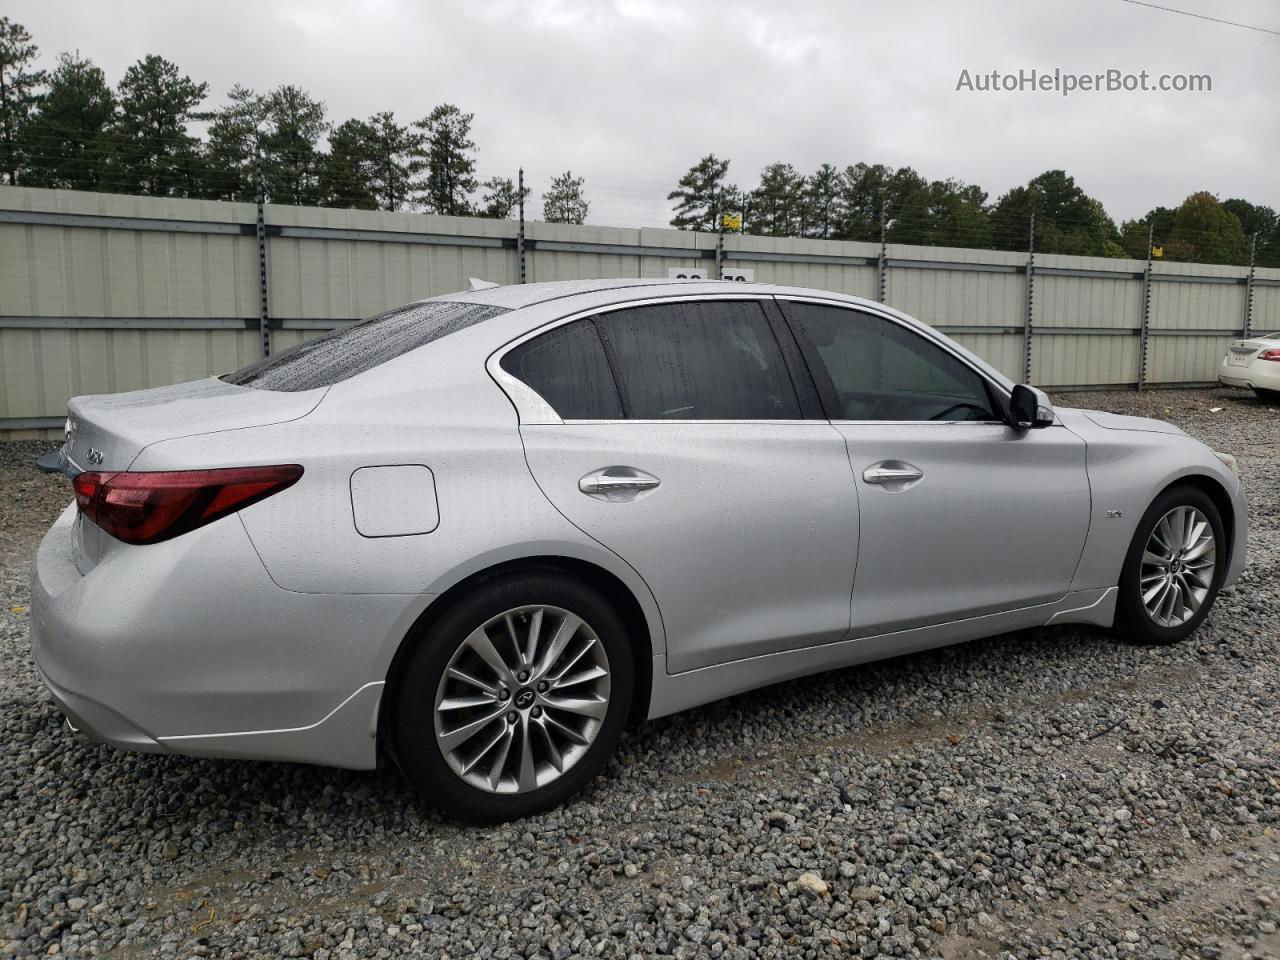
[{"x": 342, "y": 354}]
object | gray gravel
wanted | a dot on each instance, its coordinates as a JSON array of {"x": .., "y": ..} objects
[{"x": 1052, "y": 793}]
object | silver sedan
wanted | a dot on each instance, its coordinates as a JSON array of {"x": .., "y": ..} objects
[{"x": 483, "y": 532}]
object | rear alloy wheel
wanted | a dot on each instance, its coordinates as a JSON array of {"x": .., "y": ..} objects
[
  {"x": 514, "y": 699},
  {"x": 1173, "y": 569}
]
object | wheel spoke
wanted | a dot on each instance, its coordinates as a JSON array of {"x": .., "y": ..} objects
[
  {"x": 479, "y": 642},
  {"x": 555, "y": 681},
  {"x": 587, "y": 708},
  {"x": 568, "y": 626},
  {"x": 528, "y": 777},
  {"x": 587, "y": 675},
  {"x": 452, "y": 740},
  {"x": 464, "y": 703},
  {"x": 535, "y": 634},
  {"x": 564, "y": 730},
  {"x": 553, "y": 751},
  {"x": 1154, "y": 560},
  {"x": 499, "y": 764},
  {"x": 473, "y": 681},
  {"x": 493, "y": 741}
]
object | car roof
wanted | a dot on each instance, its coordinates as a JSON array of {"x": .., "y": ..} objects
[{"x": 520, "y": 295}]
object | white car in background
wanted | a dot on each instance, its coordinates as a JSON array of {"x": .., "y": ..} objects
[{"x": 1253, "y": 363}]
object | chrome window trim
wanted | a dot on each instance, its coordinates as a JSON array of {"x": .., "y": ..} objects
[
  {"x": 533, "y": 410},
  {"x": 925, "y": 333}
]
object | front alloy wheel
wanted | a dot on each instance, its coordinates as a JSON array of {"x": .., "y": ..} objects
[
  {"x": 1174, "y": 567},
  {"x": 1178, "y": 566}
]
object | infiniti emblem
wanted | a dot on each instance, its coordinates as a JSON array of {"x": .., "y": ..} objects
[
  {"x": 94, "y": 456},
  {"x": 524, "y": 699}
]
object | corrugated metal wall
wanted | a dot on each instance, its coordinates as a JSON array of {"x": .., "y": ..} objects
[{"x": 102, "y": 292}]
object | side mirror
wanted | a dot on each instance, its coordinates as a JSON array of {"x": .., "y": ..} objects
[{"x": 1029, "y": 408}]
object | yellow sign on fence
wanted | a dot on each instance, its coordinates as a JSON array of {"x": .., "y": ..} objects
[
  {"x": 731, "y": 221},
  {"x": 1157, "y": 251}
]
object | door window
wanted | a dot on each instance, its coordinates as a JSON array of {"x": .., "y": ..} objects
[
  {"x": 879, "y": 370},
  {"x": 568, "y": 369},
  {"x": 707, "y": 360}
]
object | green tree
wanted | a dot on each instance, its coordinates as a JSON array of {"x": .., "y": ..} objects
[
  {"x": 152, "y": 153},
  {"x": 346, "y": 171},
  {"x": 1135, "y": 233},
  {"x": 70, "y": 128},
  {"x": 19, "y": 95},
  {"x": 1067, "y": 219},
  {"x": 698, "y": 195},
  {"x": 778, "y": 203},
  {"x": 823, "y": 197},
  {"x": 1262, "y": 223},
  {"x": 291, "y": 158},
  {"x": 450, "y": 161},
  {"x": 863, "y": 192},
  {"x": 958, "y": 215},
  {"x": 564, "y": 201},
  {"x": 235, "y": 142},
  {"x": 1205, "y": 232},
  {"x": 501, "y": 198}
]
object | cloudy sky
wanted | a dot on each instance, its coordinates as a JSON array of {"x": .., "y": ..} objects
[{"x": 629, "y": 93}]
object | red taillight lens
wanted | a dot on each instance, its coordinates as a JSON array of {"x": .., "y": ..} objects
[
  {"x": 150, "y": 507},
  {"x": 1269, "y": 355}
]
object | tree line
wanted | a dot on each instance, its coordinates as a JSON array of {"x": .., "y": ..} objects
[
  {"x": 871, "y": 202},
  {"x": 69, "y": 128}
]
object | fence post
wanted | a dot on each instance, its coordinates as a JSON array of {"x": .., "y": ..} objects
[
  {"x": 1146, "y": 311},
  {"x": 883, "y": 263},
  {"x": 1030, "y": 306},
  {"x": 520, "y": 230},
  {"x": 1248, "y": 287},
  {"x": 720, "y": 238},
  {"x": 264, "y": 319}
]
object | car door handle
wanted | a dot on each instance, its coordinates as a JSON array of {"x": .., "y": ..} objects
[
  {"x": 618, "y": 481},
  {"x": 892, "y": 471}
]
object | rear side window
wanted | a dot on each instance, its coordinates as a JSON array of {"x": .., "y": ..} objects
[
  {"x": 342, "y": 354},
  {"x": 568, "y": 369},
  {"x": 710, "y": 360}
]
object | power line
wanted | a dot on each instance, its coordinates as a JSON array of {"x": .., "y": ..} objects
[{"x": 1201, "y": 16}]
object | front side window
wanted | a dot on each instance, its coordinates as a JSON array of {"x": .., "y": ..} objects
[
  {"x": 708, "y": 360},
  {"x": 880, "y": 370}
]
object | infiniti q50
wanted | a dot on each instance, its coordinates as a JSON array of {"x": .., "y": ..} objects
[{"x": 482, "y": 532}]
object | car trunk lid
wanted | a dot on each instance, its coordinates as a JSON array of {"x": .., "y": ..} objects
[{"x": 107, "y": 431}]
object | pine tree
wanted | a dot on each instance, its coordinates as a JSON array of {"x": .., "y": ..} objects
[
  {"x": 778, "y": 203},
  {"x": 19, "y": 95},
  {"x": 699, "y": 195},
  {"x": 291, "y": 159},
  {"x": 346, "y": 176},
  {"x": 501, "y": 198},
  {"x": 70, "y": 128},
  {"x": 564, "y": 201},
  {"x": 823, "y": 195},
  {"x": 230, "y": 158},
  {"x": 151, "y": 151},
  {"x": 450, "y": 164}
]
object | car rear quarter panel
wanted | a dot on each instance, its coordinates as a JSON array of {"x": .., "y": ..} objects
[{"x": 438, "y": 408}]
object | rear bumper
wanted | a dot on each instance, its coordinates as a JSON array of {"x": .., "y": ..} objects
[
  {"x": 1258, "y": 375},
  {"x": 188, "y": 647}
]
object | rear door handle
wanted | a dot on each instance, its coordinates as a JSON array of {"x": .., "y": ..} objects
[
  {"x": 617, "y": 483},
  {"x": 890, "y": 472}
]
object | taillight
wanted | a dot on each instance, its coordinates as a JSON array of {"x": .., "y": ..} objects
[
  {"x": 150, "y": 507},
  {"x": 1269, "y": 355}
]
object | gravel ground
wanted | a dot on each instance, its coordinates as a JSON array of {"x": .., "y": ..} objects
[{"x": 1052, "y": 793}]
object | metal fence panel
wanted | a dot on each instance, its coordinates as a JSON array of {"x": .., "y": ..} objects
[{"x": 104, "y": 292}]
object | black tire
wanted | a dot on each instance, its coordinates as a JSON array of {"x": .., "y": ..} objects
[
  {"x": 412, "y": 712},
  {"x": 1132, "y": 620}
]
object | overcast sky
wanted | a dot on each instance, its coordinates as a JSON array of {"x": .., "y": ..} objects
[{"x": 630, "y": 93}]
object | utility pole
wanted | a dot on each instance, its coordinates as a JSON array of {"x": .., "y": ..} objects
[
  {"x": 720, "y": 236},
  {"x": 520, "y": 229}
]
